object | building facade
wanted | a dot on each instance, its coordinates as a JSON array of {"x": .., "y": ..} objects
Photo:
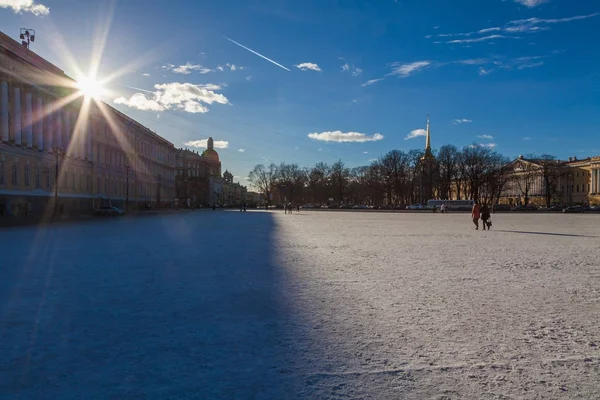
[
  {"x": 199, "y": 181},
  {"x": 571, "y": 182},
  {"x": 63, "y": 153}
]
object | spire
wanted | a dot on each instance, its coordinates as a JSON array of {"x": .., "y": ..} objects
[
  {"x": 428, "y": 141},
  {"x": 210, "y": 144}
]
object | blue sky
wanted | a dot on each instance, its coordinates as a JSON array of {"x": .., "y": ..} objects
[{"x": 520, "y": 75}]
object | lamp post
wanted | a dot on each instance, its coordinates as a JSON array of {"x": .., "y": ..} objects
[
  {"x": 127, "y": 187},
  {"x": 56, "y": 150}
]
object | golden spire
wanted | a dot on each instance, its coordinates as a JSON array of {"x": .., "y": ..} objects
[
  {"x": 428, "y": 141},
  {"x": 428, "y": 153}
]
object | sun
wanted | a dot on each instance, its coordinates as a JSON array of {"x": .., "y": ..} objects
[{"x": 90, "y": 87}]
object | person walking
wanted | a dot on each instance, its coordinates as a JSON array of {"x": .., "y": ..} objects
[
  {"x": 485, "y": 216},
  {"x": 476, "y": 214}
]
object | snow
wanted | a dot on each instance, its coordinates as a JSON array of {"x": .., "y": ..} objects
[{"x": 335, "y": 305}]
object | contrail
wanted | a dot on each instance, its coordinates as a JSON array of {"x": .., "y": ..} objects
[
  {"x": 258, "y": 54},
  {"x": 135, "y": 88}
]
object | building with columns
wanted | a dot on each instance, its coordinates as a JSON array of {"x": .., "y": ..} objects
[
  {"x": 570, "y": 182},
  {"x": 56, "y": 155}
]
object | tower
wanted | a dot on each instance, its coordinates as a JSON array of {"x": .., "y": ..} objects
[
  {"x": 210, "y": 144},
  {"x": 428, "y": 154},
  {"x": 428, "y": 166}
]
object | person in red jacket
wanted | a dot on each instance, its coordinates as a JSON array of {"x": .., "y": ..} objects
[{"x": 475, "y": 214}]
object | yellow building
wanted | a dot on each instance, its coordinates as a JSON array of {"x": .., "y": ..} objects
[
  {"x": 51, "y": 147},
  {"x": 574, "y": 182},
  {"x": 584, "y": 178}
]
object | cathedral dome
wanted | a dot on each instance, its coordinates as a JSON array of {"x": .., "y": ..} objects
[{"x": 210, "y": 152}]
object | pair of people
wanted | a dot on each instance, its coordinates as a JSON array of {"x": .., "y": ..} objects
[{"x": 481, "y": 212}]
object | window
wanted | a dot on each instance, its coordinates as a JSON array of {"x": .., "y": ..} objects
[
  {"x": 1, "y": 173},
  {"x": 37, "y": 177},
  {"x": 577, "y": 188},
  {"x": 26, "y": 175},
  {"x": 47, "y": 172},
  {"x": 14, "y": 177},
  {"x": 73, "y": 180},
  {"x": 98, "y": 185}
]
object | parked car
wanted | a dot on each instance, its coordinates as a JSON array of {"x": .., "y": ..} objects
[
  {"x": 574, "y": 209},
  {"x": 109, "y": 211},
  {"x": 525, "y": 208}
]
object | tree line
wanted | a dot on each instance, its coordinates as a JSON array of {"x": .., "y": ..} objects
[{"x": 474, "y": 172}]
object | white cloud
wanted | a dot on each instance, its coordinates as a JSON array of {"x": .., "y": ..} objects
[
  {"x": 482, "y": 71},
  {"x": 231, "y": 67},
  {"x": 405, "y": 70},
  {"x": 486, "y": 137},
  {"x": 355, "y": 70},
  {"x": 187, "y": 68},
  {"x": 345, "y": 137},
  {"x": 474, "y": 61},
  {"x": 248, "y": 78},
  {"x": 146, "y": 74},
  {"x": 538, "y": 24},
  {"x": 308, "y": 66},
  {"x": 488, "y": 30},
  {"x": 365, "y": 152},
  {"x": 19, "y": 6},
  {"x": 203, "y": 144},
  {"x": 416, "y": 133},
  {"x": 526, "y": 138},
  {"x": 531, "y": 3},
  {"x": 141, "y": 102},
  {"x": 241, "y": 150},
  {"x": 531, "y": 25},
  {"x": 372, "y": 159},
  {"x": 480, "y": 39},
  {"x": 488, "y": 145},
  {"x": 461, "y": 121},
  {"x": 371, "y": 81},
  {"x": 176, "y": 96}
]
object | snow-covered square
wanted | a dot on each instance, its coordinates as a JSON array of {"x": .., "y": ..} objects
[{"x": 313, "y": 305}]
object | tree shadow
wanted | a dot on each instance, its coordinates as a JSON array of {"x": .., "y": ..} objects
[{"x": 547, "y": 233}]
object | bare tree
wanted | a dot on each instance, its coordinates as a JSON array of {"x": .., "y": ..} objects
[
  {"x": 263, "y": 179},
  {"x": 448, "y": 161},
  {"x": 339, "y": 179},
  {"x": 552, "y": 170},
  {"x": 525, "y": 175}
]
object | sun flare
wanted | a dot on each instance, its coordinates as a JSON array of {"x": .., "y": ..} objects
[{"x": 90, "y": 87}]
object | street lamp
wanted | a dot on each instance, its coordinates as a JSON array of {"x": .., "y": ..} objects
[
  {"x": 127, "y": 187},
  {"x": 57, "y": 151}
]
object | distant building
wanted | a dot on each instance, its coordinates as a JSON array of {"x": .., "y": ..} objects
[
  {"x": 50, "y": 149},
  {"x": 571, "y": 182},
  {"x": 199, "y": 181}
]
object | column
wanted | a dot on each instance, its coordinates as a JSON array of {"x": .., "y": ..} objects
[
  {"x": 49, "y": 131},
  {"x": 16, "y": 119},
  {"x": 4, "y": 135},
  {"x": 88, "y": 141},
  {"x": 28, "y": 119},
  {"x": 66, "y": 136},
  {"x": 38, "y": 126},
  {"x": 58, "y": 128}
]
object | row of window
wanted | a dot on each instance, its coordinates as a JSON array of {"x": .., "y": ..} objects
[{"x": 45, "y": 177}]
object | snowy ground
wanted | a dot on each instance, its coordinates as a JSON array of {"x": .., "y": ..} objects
[{"x": 262, "y": 305}]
